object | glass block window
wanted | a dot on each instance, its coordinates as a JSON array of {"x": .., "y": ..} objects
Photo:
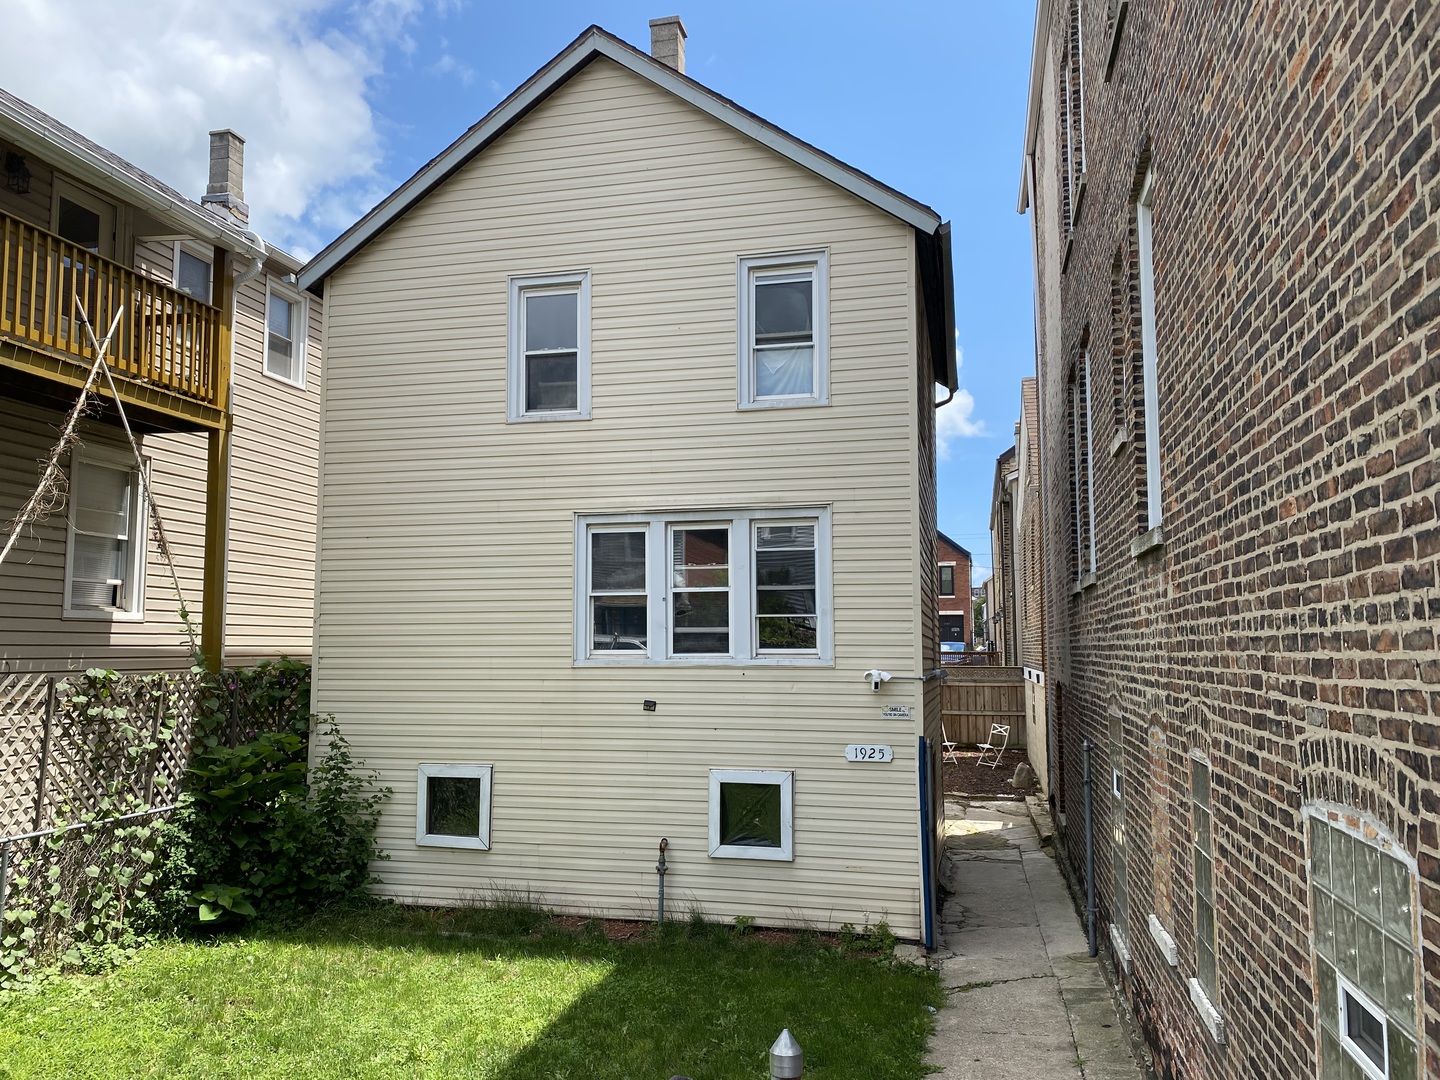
[
  {"x": 1204, "y": 876},
  {"x": 1363, "y": 901}
]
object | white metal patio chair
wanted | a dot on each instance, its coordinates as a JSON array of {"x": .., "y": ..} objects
[
  {"x": 999, "y": 740},
  {"x": 951, "y": 749}
]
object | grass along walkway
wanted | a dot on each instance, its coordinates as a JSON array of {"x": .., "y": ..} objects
[{"x": 500, "y": 994}]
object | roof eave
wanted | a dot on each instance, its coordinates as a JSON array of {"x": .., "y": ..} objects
[
  {"x": 79, "y": 161},
  {"x": 1039, "y": 46},
  {"x": 592, "y": 43}
]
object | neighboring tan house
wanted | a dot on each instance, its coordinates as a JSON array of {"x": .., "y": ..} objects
[
  {"x": 1001, "y": 611},
  {"x": 627, "y": 487},
  {"x": 1238, "y": 314},
  {"x": 953, "y": 574},
  {"x": 216, "y": 360}
]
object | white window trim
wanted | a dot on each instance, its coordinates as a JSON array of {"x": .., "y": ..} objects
[
  {"x": 515, "y": 380},
  {"x": 783, "y": 779},
  {"x": 139, "y": 542},
  {"x": 1144, "y": 227},
  {"x": 744, "y": 650},
  {"x": 945, "y": 595},
  {"x": 818, "y": 262},
  {"x": 1349, "y": 1045},
  {"x": 207, "y": 256},
  {"x": 1089, "y": 459},
  {"x": 422, "y": 797},
  {"x": 301, "y": 328}
]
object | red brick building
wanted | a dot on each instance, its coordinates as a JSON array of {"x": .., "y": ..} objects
[
  {"x": 1236, "y": 218},
  {"x": 956, "y": 610}
]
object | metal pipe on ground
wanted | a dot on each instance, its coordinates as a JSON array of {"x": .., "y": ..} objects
[
  {"x": 1086, "y": 746},
  {"x": 660, "y": 871}
]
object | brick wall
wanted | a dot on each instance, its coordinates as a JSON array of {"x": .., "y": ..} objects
[
  {"x": 1284, "y": 625},
  {"x": 947, "y": 551}
]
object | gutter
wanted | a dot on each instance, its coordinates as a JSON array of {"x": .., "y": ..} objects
[{"x": 1039, "y": 46}]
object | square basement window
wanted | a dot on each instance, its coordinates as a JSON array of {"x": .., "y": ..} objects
[
  {"x": 452, "y": 806},
  {"x": 752, "y": 814}
]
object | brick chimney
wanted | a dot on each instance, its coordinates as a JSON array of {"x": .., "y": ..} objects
[
  {"x": 226, "y": 192},
  {"x": 667, "y": 41}
]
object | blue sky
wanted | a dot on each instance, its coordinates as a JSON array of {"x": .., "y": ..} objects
[{"x": 341, "y": 100}]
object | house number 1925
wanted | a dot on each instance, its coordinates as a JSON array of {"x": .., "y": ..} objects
[{"x": 868, "y": 752}]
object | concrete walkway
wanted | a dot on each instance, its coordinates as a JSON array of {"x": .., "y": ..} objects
[{"x": 1023, "y": 1000}]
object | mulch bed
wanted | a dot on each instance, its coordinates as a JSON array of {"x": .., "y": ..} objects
[{"x": 965, "y": 778}]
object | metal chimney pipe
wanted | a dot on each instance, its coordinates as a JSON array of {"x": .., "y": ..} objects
[{"x": 787, "y": 1060}]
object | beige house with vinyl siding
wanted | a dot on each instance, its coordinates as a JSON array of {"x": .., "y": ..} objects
[
  {"x": 627, "y": 482},
  {"x": 217, "y": 362}
]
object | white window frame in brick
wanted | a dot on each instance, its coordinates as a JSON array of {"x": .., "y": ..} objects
[
  {"x": 130, "y": 588},
  {"x": 1364, "y": 912},
  {"x": 789, "y": 266},
  {"x": 785, "y": 781},
  {"x": 1144, "y": 228},
  {"x": 1205, "y": 851},
  {"x": 1120, "y": 902},
  {"x": 524, "y": 285},
  {"x": 425, "y": 838},
  {"x": 940, "y": 583},
  {"x": 294, "y": 375},
  {"x": 742, "y": 587}
]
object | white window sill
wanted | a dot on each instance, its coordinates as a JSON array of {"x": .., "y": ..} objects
[
  {"x": 1163, "y": 940},
  {"x": 1119, "y": 442},
  {"x": 707, "y": 661},
  {"x": 469, "y": 843},
  {"x": 782, "y": 403},
  {"x": 1148, "y": 542},
  {"x": 1209, "y": 1014},
  {"x": 546, "y": 417},
  {"x": 104, "y": 616},
  {"x": 1122, "y": 952},
  {"x": 281, "y": 379},
  {"x": 739, "y": 851},
  {"x": 1085, "y": 581}
]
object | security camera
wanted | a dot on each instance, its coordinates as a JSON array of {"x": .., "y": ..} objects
[{"x": 875, "y": 677}]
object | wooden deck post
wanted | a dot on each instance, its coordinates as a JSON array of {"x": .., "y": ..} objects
[{"x": 217, "y": 478}]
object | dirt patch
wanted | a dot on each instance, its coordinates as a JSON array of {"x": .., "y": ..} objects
[{"x": 965, "y": 777}]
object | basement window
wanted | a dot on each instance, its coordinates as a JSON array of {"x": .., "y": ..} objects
[
  {"x": 752, "y": 814},
  {"x": 452, "y": 806}
]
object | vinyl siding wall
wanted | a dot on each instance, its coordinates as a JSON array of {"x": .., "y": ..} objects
[
  {"x": 272, "y": 519},
  {"x": 447, "y": 547}
]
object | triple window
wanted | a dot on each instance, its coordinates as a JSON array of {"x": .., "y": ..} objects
[
  {"x": 784, "y": 330},
  {"x": 549, "y": 375},
  {"x": 751, "y": 586}
]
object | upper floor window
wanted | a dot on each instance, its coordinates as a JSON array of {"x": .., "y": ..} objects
[
  {"x": 284, "y": 334},
  {"x": 549, "y": 363},
  {"x": 784, "y": 330},
  {"x": 193, "y": 273},
  {"x": 1144, "y": 225},
  {"x": 1081, "y": 470},
  {"x": 947, "y": 579},
  {"x": 84, "y": 218},
  {"x": 1364, "y": 912},
  {"x": 738, "y": 587},
  {"x": 1072, "y": 114},
  {"x": 105, "y": 555}
]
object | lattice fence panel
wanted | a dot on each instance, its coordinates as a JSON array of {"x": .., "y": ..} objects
[{"x": 22, "y": 732}]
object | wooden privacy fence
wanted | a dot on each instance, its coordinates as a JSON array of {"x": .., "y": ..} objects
[{"x": 973, "y": 698}]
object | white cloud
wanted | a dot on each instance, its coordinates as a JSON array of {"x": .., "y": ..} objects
[
  {"x": 289, "y": 75},
  {"x": 952, "y": 420}
]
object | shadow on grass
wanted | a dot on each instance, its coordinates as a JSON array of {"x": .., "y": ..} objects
[{"x": 693, "y": 999}]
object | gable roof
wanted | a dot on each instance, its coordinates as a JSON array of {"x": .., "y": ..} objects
[
  {"x": 963, "y": 550},
  {"x": 932, "y": 235},
  {"x": 39, "y": 133}
]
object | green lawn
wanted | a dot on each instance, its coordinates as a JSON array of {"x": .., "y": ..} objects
[{"x": 502, "y": 994}]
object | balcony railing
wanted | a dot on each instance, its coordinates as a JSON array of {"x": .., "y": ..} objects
[{"x": 166, "y": 339}]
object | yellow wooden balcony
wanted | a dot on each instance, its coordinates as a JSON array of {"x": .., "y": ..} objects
[{"x": 167, "y": 355}]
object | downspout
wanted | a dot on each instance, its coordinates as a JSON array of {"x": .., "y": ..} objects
[{"x": 1086, "y": 746}]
